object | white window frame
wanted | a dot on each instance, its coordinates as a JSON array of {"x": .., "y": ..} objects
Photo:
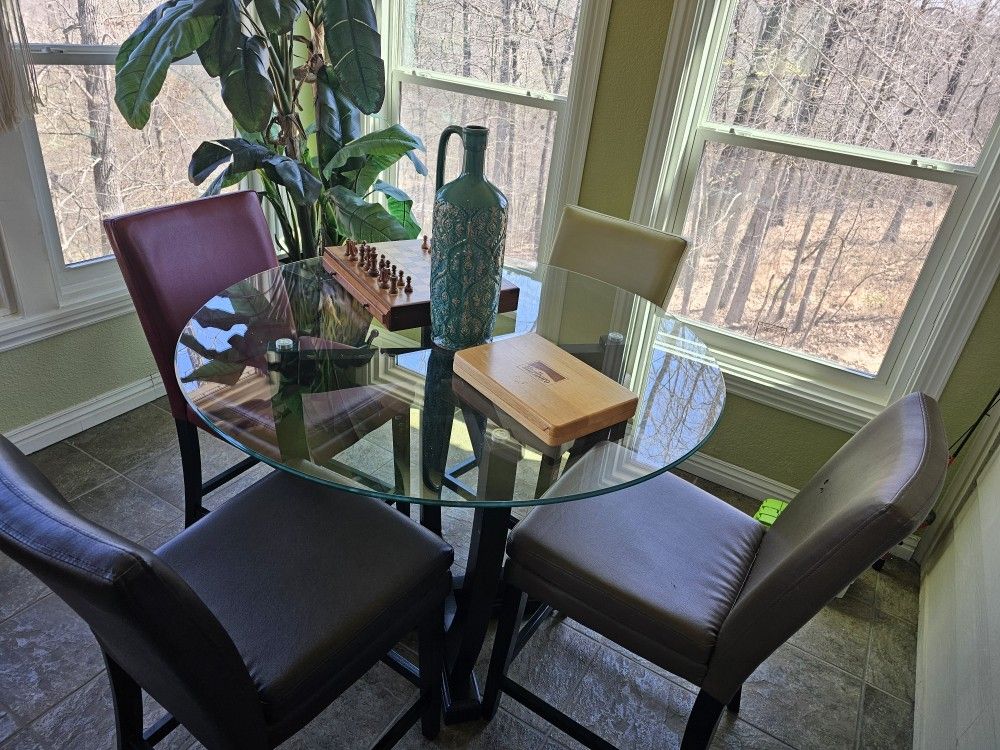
[
  {"x": 40, "y": 293},
  {"x": 959, "y": 274},
  {"x": 574, "y": 110}
]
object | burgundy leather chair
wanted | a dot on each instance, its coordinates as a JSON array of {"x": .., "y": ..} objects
[
  {"x": 174, "y": 259},
  {"x": 243, "y": 629},
  {"x": 688, "y": 582}
]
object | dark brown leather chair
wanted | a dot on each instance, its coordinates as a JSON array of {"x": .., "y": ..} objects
[
  {"x": 174, "y": 259},
  {"x": 695, "y": 586},
  {"x": 244, "y": 629}
]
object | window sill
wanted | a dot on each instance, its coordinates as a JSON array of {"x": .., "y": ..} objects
[{"x": 18, "y": 330}]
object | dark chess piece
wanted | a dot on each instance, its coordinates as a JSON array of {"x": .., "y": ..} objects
[
  {"x": 400, "y": 274},
  {"x": 425, "y": 245},
  {"x": 393, "y": 286},
  {"x": 409, "y": 286},
  {"x": 383, "y": 279},
  {"x": 372, "y": 268},
  {"x": 393, "y": 272}
]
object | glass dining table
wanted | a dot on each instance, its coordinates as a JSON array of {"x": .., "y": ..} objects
[{"x": 288, "y": 367}]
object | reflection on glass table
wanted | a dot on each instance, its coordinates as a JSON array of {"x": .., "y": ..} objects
[
  {"x": 333, "y": 407},
  {"x": 289, "y": 368}
]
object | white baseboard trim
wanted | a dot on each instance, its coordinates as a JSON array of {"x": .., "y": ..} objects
[
  {"x": 61, "y": 425},
  {"x": 737, "y": 478}
]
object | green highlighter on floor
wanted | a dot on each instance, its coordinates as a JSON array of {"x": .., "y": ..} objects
[{"x": 769, "y": 511}]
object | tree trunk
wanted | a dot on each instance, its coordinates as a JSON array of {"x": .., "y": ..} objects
[{"x": 97, "y": 84}]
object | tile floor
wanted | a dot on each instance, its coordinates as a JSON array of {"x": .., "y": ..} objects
[{"x": 845, "y": 680}]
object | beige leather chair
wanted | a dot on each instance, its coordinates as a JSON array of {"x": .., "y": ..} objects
[
  {"x": 619, "y": 252},
  {"x": 697, "y": 587}
]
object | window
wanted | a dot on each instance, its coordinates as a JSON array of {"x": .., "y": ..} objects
[
  {"x": 508, "y": 65},
  {"x": 94, "y": 164},
  {"x": 830, "y": 164}
]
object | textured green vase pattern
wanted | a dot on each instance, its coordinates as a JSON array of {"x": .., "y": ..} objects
[{"x": 469, "y": 233}]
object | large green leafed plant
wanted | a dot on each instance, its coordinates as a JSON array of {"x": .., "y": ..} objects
[{"x": 280, "y": 64}]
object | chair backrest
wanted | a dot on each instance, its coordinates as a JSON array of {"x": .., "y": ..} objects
[
  {"x": 619, "y": 252},
  {"x": 144, "y": 616},
  {"x": 865, "y": 500},
  {"x": 176, "y": 258}
]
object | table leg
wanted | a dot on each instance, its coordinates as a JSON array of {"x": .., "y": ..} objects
[{"x": 482, "y": 578}]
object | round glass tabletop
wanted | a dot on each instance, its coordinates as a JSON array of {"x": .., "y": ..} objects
[{"x": 290, "y": 368}]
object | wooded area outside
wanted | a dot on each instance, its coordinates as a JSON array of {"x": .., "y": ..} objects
[
  {"x": 96, "y": 165},
  {"x": 805, "y": 254}
]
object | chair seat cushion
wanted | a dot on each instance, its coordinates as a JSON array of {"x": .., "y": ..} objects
[
  {"x": 655, "y": 567},
  {"x": 310, "y": 583}
]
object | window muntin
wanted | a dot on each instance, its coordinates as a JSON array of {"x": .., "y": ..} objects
[
  {"x": 523, "y": 43},
  {"x": 813, "y": 257},
  {"x": 460, "y": 65},
  {"x": 518, "y": 160},
  {"x": 901, "y": 76}
]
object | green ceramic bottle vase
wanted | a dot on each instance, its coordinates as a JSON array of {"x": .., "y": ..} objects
[{"x": 468, "y": 236}]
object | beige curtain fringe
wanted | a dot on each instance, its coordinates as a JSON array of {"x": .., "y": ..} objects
[{"x": 18, "y": 87}]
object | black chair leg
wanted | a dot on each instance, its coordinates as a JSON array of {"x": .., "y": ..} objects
[
  {"x": 511, "y": 614},
  {"x": 127, "y": 698},
  {"x": 702, "y": 722},
  {"x": 430, "y": 645},
  {"x": 734, "y": 702},
  {"x": 187, "y": 436},
  {"x": 401, "y": 458}
]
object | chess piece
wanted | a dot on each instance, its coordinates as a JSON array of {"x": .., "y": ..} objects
[
  {"x": 383, "y": 280},
  {"x": 425, "y": 245},
  {"x": 372, "y": 269},
  {"x": 393, "y": 287},
  {"x": 409, "y": 286},
  {"x": 401, "y": 277},
  {"x": 393, "y": 272}
]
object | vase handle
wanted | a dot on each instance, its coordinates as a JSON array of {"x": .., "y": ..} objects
[{"x": 443, "y": 151}]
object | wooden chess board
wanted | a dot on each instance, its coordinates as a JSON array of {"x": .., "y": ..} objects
[{"x": 402, "y": 310}]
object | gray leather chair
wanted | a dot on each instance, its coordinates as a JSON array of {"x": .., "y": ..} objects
[
  {"x": 249, "y": 623},
  {"x": 697, "y": 587}
]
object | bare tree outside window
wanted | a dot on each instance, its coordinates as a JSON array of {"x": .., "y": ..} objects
[
  {"x": 811, "y": 255},
  {"x": 96, "y": 166}
]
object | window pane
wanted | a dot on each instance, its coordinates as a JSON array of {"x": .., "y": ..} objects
[
  {"x": 97, "y": 166},
  {"x": 83, "y": 21},
  {"x": 517, "y": 159},
  {"x": 812, "y": 257},
  {"x": 524, "y": 43},
  {"x": 900, "y": 75}
]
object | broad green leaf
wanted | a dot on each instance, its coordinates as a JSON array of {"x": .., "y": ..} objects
[
  {"x": 208, "y": 157},
  {"x": 171, "y": 32},
  {"x": 379, "y": 150},
  {"x": 278, "y": 16},
  {"x": 302, "y": 186},
  {"x": 222, "y": 49},
  {"x": 246, "y": 87},
  {"x": 354, "y": 51},
  {"x": 400, "y": 205},
  {"x": 363, "y": 221}
]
